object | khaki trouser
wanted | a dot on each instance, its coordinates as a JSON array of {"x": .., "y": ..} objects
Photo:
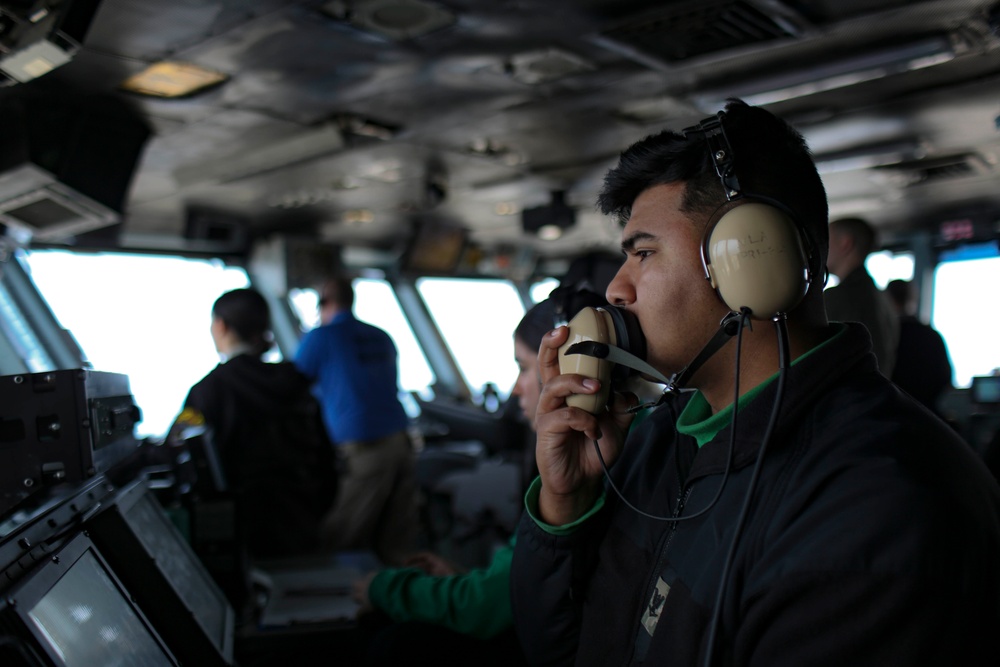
[{"x": 376, "y": 505}]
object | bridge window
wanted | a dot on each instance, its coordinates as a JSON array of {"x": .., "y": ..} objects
[
  {"x": 885, "y": 266},
  {"x": 965, "y": 317},
  {"x": 477, "y": 319},
  {"x": 541, "y": 290},
  {"x": 18, "y": 340},
  {"x": 142, "y": 315}
]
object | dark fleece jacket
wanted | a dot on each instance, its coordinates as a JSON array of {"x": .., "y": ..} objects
[
  {"x": 873, "y": 538},
  {"x": 268, "y": 431}
]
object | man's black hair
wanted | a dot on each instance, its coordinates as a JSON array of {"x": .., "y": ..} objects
[
  {"x": 864, "y": 235},
  {"x": 339, "y": 290},
  {"x": 771, "y": 160},
  {"x": 561, "y": 305}
]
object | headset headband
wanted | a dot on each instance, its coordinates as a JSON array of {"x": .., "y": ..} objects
[
  {"x": 721, "y": 152},
  {"x": 752, "y": 249}
]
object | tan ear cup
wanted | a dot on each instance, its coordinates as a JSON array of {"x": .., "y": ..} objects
[
  {"x": 754, "y": 259},
  {"x": 589, "y": 324}
]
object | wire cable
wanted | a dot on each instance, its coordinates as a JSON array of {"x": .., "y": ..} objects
[
  {"x": 783, "y": 355},
  {"x": 744, "y": 316}
]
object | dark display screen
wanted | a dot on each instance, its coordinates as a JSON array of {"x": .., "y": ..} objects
[
  {"x": 986, "y": 389},
  {"x": 180, "y": 566},
  {"x": 88, "y": 621}
]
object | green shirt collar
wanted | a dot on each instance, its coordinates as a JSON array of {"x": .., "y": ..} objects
[{"x": 697, "y": 420}]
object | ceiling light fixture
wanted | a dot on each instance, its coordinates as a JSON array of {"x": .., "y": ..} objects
[
  {"x": 550, "y": 232},
  {"x": 36, "y": 38},
  {"x": 549, "y": 221},
  {"x": 506, "y": 208},
  {"x": 358, "y": 216},
  {"x": 172, "y": 80}
]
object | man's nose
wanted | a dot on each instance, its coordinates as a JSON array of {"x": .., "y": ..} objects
[{"x": 620, "y": 292}]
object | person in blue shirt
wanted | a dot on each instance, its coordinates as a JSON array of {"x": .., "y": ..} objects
[{"x": 354, "y": 366}]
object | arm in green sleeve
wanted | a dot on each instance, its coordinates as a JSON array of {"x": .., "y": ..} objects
[
  {"x": 475, "y": 603},
  {"x": 531, "y": 507}
]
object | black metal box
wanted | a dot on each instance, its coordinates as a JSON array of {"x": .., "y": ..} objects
[{"x": 62, "y": 426}]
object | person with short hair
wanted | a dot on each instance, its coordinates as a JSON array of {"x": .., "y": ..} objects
[
  {"x": 923, "y": 368},
  {"x": 355, "y": 367},
  {"x": 786, "y": 504},
  {"x": 856, "y": 298}
]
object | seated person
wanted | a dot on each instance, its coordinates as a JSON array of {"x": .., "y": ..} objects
[
  {"x": 266, "y": 429},
  {"x": 443, "y": 614}
]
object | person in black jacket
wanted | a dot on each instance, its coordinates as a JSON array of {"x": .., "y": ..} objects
[
  {"x": 856, "y": 298},
  {"x": 267, "y": 430},
  {"x": 923, "y": 368},
  {"x": 835, "y": 522}
]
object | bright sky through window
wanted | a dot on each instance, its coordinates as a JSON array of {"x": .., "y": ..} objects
[
  {"x": 148, "y": 317},
  {"x": 965, "y": 318},
  {"x": 477, "y": 319},
  {"x": 142, "y": 315}
]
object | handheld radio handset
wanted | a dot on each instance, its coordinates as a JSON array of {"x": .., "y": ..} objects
[
  {"x": 608, "y": 345},
  {"x": 590, "y": 324}
]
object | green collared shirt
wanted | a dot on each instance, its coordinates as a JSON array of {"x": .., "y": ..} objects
[{"x": 696, "y": 421}]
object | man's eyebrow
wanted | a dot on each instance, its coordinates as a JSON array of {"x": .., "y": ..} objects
[{"x": 629, "y": 244}]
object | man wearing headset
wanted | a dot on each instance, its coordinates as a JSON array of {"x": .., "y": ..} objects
[{"x": 835, "y": 522}]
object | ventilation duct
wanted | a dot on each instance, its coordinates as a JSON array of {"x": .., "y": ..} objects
[
  {"x": 684, "y": 30},
  {"x": 37, "y": 37},
  {"x": 66, "y": 163},
  {"x": 933, "y": 169}
]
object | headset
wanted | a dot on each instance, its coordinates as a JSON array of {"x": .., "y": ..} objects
[
  {"x": 758, "y": 259},
  {"x": 576, "y": 306},
  {"x": 755, "y": 255},
  {"x": 754, "y": 252},
  {"x": 610, "y": 328}
]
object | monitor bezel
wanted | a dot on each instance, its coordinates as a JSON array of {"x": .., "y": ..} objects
[
  {"x": 978, "y": 382},
  {"x": 27, "y": 593},
  {"x": 434, "y": 249},
  {"x": 112, "y": 531}
]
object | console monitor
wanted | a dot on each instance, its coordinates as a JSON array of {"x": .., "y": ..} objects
[
  {"x": 986, "y": 390},
  {"x": 75, "y": 612},
  {"x": 169, "y": 581}
]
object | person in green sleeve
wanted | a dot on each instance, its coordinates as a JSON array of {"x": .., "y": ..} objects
[
  {"x": 786, "y": 504},
  {"x": 441, "y": 613}
]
